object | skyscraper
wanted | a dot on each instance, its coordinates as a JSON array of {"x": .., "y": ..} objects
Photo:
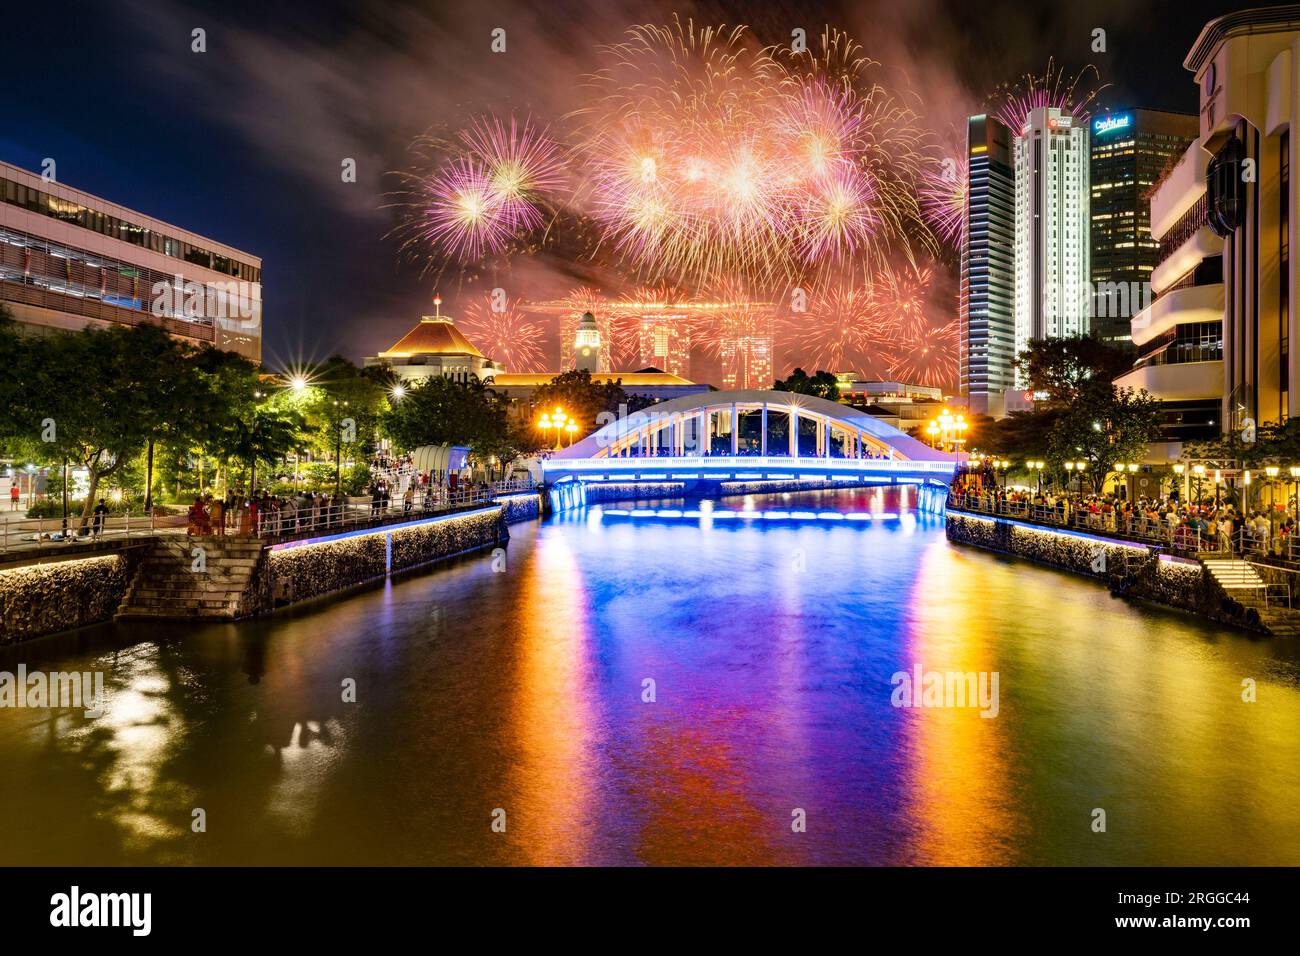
[
  {"x": 745, "y": 348},
  {"x": 987, "y": 318},
  {"x": 664, "y": 341},
  {"x": 1052, "y": 228},
  {"x": 1130, "y": 150}
]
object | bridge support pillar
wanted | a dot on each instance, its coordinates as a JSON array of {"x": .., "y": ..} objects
[
  {"x": 794, "y": 433},
  {"x": 735, "y": 429},
  {"x": 763, "y": 446}
]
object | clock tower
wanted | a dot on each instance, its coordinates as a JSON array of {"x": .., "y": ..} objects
[{"x": 586, "y": 344}]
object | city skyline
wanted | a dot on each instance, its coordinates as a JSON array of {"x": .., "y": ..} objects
[{"x": 301, "y": 325}]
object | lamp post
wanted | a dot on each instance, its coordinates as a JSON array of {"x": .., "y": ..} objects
[
  {"x": 1199, "y": 471},
  {"x": 338, "y": 448},
  {"x": 1295, "y": 484},
  {"x": 947, "y": 429},
  {"x": 1271, "y": 471},
  {"x": 1245, "y": 491},
  {"x": 1037, "y": 468},
  {"x": 557, "y": 420},
  {"x": 1179, "y": 470}
]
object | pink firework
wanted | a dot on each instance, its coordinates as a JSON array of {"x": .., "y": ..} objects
[
  {"x": 836, "y": 217},
  {"x": 843, "y": 328},
  {"x": 901, "y": 294},
  {"x": 1052, "y": 89},
  {"x": 507, "y": 336},
  {"x": 929, "y": 356},
  {"x": 942, "y": 192},
  {"x": 464, "y": 214},
  {"x": 523, "y": 166}
]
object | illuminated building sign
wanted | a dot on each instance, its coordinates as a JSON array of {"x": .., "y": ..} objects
[{"x": 1108, "y": 124}]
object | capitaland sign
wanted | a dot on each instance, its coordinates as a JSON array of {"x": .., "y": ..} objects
[{"x": 1108, "y": 124}]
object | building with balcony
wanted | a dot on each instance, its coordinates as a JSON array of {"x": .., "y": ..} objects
[
  {"x": 70, "y": 260},
  {"x": 1130, "y": 150},
  {"x": 1179, "y": 335},
  {"x": 1247, "y": 67}
]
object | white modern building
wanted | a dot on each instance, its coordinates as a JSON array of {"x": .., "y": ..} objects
[
  {"x": 70, "y": 260},
  {"x": 1052, "y": 228},
  {"x": 1179, "y": 335}
]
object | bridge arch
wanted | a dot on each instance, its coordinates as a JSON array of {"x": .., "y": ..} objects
[{"x": 710, "y": 424}]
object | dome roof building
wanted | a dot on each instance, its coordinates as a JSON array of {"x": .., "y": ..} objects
[{"x": 436, "y": 347}]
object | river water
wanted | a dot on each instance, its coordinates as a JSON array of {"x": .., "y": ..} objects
[{"x": 517, "y": 691}]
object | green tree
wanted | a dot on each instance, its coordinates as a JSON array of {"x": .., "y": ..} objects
[
  {"x": 267, "y": 434},
  {"x": 1061, "y": 368},
  {"x": 822, "y": 384},
  {"x": 584, "y": 400},
  {"x": 1103, "y": 426},
  {"x": 84, "y": 401},
  {"x": 441, "y": 411}
]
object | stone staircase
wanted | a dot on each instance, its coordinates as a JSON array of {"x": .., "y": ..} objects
[
  {"x": 1243, "y": 583},
  {"x": 174, "y": 582}
]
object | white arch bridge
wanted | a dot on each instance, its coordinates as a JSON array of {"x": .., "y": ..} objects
[{"x": 749, "y": 435}]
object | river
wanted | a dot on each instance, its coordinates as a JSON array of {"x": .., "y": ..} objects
[{"x": 516, "y": 691}]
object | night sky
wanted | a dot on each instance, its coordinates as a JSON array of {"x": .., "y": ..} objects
[{"x": 244, "y": 143}]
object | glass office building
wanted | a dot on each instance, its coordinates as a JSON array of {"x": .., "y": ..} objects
[{"x": 69, "y": 260}]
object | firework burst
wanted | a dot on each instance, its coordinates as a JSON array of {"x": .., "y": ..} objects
[
  {"x": 807, "y": 163},
  {"x": 1075, "y": 94},
  {"x": 508, "y": 335},
  {"x": 928, "y": 356},
  {"x": 943, "y": 193},
  {"x": 489, "y": 190},
  {"x": 843, "y": 328}
]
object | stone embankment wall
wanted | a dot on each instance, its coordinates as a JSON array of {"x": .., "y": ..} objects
[
  {"x": 45, "y": 598},
  {"x": 1132, "y": 569},
  {"x": 306, "y": 571}
]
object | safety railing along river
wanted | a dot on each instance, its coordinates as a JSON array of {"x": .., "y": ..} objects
[{"x": 287, "y": 517}]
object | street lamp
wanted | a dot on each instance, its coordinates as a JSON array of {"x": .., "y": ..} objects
[
  {"x": 1271, "y": 471},
  {"x": 338, "y": 448},
  {"x": 1037, "y": 468},
  {"x": 1295, "y": 483},
  {"x": 571, "y": 428},
  {"x": 399, "y": 390},
  {"x": 1179, "y": 470},
  {"x": 559, "y": 421},
  {"x": 947, "y": 429}
]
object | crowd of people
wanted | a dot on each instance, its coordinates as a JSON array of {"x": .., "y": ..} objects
[
  {"x": 1187, "y": 526},
  {"x": 395, "y": 485},
  {"x": 241, "y": 514}
]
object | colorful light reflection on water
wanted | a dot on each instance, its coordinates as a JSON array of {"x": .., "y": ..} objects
[{"x": 771, "y": 645}]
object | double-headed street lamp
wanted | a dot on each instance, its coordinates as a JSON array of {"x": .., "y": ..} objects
[{"x": 1037, "y": 468}]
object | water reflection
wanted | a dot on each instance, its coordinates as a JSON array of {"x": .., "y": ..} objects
[{"x": 770, "y": 645}]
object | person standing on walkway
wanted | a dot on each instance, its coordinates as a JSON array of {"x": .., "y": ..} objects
[
  {"x": 14, "y": 494},
  {"x": 97, "y": 523}
]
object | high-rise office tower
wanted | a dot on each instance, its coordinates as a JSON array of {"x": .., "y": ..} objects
[
  {"x": 1130, "y": 150},
  {"x": 986, "y": 308},
  {"x": 1053, "y": 284}
]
